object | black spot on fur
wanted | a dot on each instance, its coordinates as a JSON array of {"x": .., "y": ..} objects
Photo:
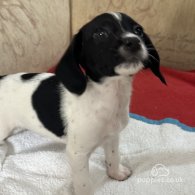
[
  {"x": 46, "y": 102},
  {"x": 28, "y": 76},
  {"x": 2, "y": 76}
]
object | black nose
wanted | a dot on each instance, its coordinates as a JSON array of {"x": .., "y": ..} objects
[{"x": 132, "y": 43}]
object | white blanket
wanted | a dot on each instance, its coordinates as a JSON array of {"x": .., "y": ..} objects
[{"x": 162, "y": 158}]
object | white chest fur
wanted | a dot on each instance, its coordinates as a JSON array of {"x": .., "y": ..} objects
[{"x": 102, "y": 109}]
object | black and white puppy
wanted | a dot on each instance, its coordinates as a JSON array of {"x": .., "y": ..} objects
[{"x": 84, "y": 108}]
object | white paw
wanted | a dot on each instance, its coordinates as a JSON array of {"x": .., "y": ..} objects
[{"x": 122, "y": 174}]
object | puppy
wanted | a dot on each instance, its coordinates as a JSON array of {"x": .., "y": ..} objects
[{"x": 86, "y": 101}]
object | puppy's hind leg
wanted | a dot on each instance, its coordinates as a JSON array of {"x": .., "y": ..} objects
[
  {"x": 3, "y": 147},
  {"x": 4, "y": 133}
]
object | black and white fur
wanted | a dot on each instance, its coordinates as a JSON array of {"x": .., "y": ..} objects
[{"x": 86, "y": 108}]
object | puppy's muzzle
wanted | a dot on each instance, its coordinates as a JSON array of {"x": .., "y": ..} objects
[
  {"x": 132, "y": 44},
  {"x": 132, "y": 50}
]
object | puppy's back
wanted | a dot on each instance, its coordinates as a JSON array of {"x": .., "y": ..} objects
[{"x": 16, "y": 109}]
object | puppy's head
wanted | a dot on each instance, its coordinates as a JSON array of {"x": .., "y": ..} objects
[{"x": 111, "y": 44}]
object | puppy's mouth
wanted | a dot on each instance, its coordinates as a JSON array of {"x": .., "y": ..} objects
[{"x": 134, "y": 58}]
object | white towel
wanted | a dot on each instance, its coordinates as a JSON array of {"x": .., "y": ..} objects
[{"x": 162, "y": 158}]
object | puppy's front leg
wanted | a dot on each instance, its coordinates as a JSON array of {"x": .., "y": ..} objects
[
  {"x": 78, "y": 153},
  {"x": 114, "y": 169}
]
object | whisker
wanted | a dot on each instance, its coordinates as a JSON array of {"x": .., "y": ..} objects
[
  {"x": 149, "y": 48},
  {"x": 153, "y": 57}
]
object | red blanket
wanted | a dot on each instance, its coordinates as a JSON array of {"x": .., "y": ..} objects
[{"x": 156, "y": 101}]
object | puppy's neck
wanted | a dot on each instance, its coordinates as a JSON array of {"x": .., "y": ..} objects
[{"x": 112, "y": 85}]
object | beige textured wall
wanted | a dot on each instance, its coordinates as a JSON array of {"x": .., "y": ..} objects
[
  {"x": 33, "y": 34},
  {"x": 171, "y": 24}
]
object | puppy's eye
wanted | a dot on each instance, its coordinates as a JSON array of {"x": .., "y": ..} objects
[
  {"x": 100, "y": 35},
  {"x": 138, "y": 30}
]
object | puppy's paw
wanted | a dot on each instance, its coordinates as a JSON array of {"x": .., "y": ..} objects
[{"x": 121, "y": 174}]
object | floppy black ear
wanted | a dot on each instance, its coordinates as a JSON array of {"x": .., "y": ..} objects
[
  {"x": 68, "y": 70},
  {"x": 153, "y": 61}
]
